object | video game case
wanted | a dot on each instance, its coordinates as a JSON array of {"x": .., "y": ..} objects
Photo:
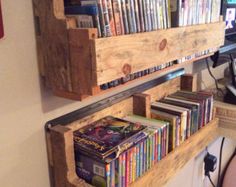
[
  {"x": 107, "y": 26},
  {"x": 137, "y": 161},
  {"x": 207, "y": 100},
  {"x": 125, "y": 16},
  {"x": 176, "y": 111},
  {"x": 109, "y": 145},
  {"x": 147, "y": 15},
  {"x": 164, "y": 14},
  {"x": 141, "y": 15},
  {"x": 168, "y": 13},
  {"x": 134, "y": 164},
  {"x": 192, "y": 122},
  {"x": 113, "y": 173},
  {"x": 156, "y": 26},
  {"x": 174, "y": 121},
  {"x": 127, "y": 168},
  {"x": 152, "y": 15},
  {"x": 154, "y": 126},
  {"x": 123, "y": 170},
  {"x": 137, "y": 18},
  {"x": 141, "y": 158},
  {"x": 92, "y": 171},
  {"x": 202, "y": 102},
  {"x": 111, "y": 18},
  {"x": 130, "y": 165},
  {"x": 195, "y": 111},
  {"x": 131, "y": 16},
  {"x": 118, "y": 18}
]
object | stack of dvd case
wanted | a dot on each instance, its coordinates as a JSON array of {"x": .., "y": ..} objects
[
  {"x": 115, "y": 152},
  {"x": 187, "y": 112},
  {"x": 192, "y": 12},
  {"x": 119, "y": 17}
]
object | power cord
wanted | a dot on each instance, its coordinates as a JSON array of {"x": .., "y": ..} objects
[
  {"x": 219, "y": 90},
  {"x": 209, "y": 177},
  {"x": 210, "y": 164}
]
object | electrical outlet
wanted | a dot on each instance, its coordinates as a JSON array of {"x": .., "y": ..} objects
[{"x": 210, "y": 162}]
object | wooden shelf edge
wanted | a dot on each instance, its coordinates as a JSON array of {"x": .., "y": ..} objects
[
  {"x": 132, "y": 82},
  {"x": 164, "y": 170}
]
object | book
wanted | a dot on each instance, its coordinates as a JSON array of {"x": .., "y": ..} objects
[
  {"x": 195, "y": 108},
  {"x": 147, "y": 15},
  {"x": 194, "y": 100},
  {"x": 117, "y": 12},
  {"x": 206, "y": 99},
  {"x": 125, "y": 17},
  {"x": 137, "y": 16},
  {"x": 108, "y": 136},
  {"x": 193, "y": 120},
  {"x": 174, "y": 130},
  {"x": 154, "y": 126},
  {"x": 92, "y": 171},
  {"x": 182, "y": 112},
  {"x": 111, "y": 18}
]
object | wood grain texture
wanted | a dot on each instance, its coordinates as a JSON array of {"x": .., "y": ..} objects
[
  {"x": 227, "y": 132},
  {"x": 189, "y": 82},
  {"x": 174, "y": 161},
  {"x": 62, "y": 147},
  {"x": 119, "y": 110},
  {"x": 164, "y": 89},
  {"x": 226, "y": 114},
  {"x": 142, "y": 105},
  {"x": 81, "y": 57},
  {"x": 73, "y": 62},
  {"x": 144, "y": 50},
  {"x": 53, "y": 45}
]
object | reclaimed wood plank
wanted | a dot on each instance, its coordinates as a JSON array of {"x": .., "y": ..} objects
[{"x": 121, "y": 55}]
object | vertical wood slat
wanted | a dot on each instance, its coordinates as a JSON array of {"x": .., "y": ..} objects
[
  {"x": 62, "y": 148},
  {"x": 189, "y": 82},
  {"x": 142, "y": 105}
]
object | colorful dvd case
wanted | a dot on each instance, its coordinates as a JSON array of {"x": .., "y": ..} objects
[{"x": 108, "y": 136}]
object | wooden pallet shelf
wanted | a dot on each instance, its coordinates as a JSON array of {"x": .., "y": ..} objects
[
  {"x": 61, "y": 150},
  {"x": 74, "y": 62}
]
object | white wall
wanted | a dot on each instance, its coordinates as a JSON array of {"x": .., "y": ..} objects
[{"x": 25, "y": 106}]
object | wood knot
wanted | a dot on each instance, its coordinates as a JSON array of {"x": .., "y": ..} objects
[
  {"x": 126, "y": 69},
  {"x": 163, "y": 44}
]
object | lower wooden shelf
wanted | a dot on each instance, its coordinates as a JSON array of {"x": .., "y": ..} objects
[
  {"x": 61, "y": 146},
  {"x": 63, "y": 164}
]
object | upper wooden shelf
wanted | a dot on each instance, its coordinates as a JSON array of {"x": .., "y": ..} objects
[{"x": 75, "y": 62}]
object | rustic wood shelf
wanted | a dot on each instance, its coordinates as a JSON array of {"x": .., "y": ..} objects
[
  {"x": 61, "y": 149},
  {"x": 74, "y": 62}
]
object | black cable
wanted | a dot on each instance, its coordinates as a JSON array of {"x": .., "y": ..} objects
[
  {"x": 209, "y": 177},
  {"x": 216, "y": 83},
  {"x": 219, "y": 171}
]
